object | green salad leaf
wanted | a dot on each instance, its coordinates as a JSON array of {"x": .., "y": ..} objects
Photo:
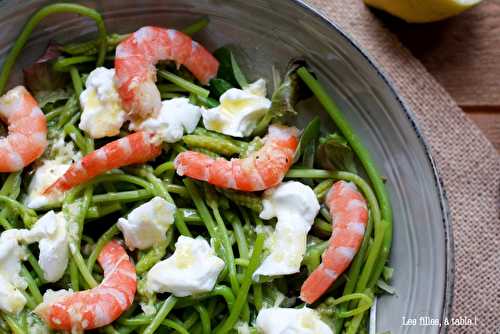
[
  {"x": 291, "y": 90},
  {"x": 335, "y": 153},
  {"x": 229, "y": 70},
  {"x": 40, "y": 76}
]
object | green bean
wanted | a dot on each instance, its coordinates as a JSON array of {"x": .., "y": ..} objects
[
  {"x": 35, "y": 292},
  {"x": 165, "y": 309},
  {"x": 89, "y": 48},
  {"x": 257, "y": 296},
  {"x": 355, "y": 322},
  {"x": 169, "y": 165},
  {"x": 219, "y": 290},
  {"x": 196, "y": 26},
  {"x": 241, "y": 297},
  {"x": 33, "y": 22},
  {"x": 193, "y": 317},
  {"x": 36, "y": 267},
  {"x": 67, "y": 63},
  {"x": 223, "y": 237},
  {"x": 167, "y": 96},
  {"x": 13, "y": 325},
  {"x": 54, "y": 113},
  {"x": 322, "y": 189},
  {"x": 325, "y": 228},
  {"x": 181, "y": 225},
  {"x": 367, "y": 162},
  {"x": 185, "y": 84},
  {"x": 77, "y": 80},
  {"x": 248, "y": 200},
  {"x": 201, "y": 207},
  {"x": 217, "y": 145},
  {"x": 204, "y": 317},
  {"x": 122, "y": 196},
  {"x": 155, "y": 254},
  {"x": 312, "y": 258},
  {"x": 239, "y": 233},
  {"x": 75, "y": 134},
  {"x": 29, "y": 301},
  {"x": 70, "y": 108},
  {"x": 204, "y": 132},
  {"x": 207, "y": 101},
  {"x": 27, "y": 214},
  {"x": 170, "y": 88},
  {"x": 98, "y": 211},
  {"x": 179, "y": 328},
  {"x": 103, "y": 240},
  {"x": 12, "y": 182},
  {"x": 241, "y": 262}
]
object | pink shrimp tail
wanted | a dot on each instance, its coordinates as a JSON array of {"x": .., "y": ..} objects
[
  {"x": 349, "y": 213},
  {"x": 261, "y": 170},
  {"x": 101, "y": 305},
  {"x": 135, "y": 148},
  {"x": 27, "y": 130},
  {"x": 135, "y": 63}
]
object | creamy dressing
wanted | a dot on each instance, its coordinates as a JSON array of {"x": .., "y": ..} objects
[
  {"x": 176, "y": 117},
  {"x": 239, "y": 111},
  {"x": 147, "y": 224},
  {"x": 191, "y": 269},
  {"x": 291, "y": 321},
  {"x": 51, "y": 232},
  {"x": 11, "y": 282},
  {"x": 44, "y": 176},
  {"x": 295, "y": 206},
  {"x": 102, "y": 115}
]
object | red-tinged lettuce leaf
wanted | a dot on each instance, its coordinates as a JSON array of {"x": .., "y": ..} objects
[{"x": 40, "y": 76}]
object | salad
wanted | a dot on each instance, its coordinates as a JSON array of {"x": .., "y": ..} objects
[{"x": 149, "y": 185}]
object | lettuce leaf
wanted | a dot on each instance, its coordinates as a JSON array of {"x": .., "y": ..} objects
[
  {"x": 40, "y": 76},
  {"x": 335, "y": 153}
]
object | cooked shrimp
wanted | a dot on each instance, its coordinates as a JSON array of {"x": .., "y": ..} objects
[
  {"x": 27, "y": 130},
  {"x": 262, "y": 169},
  {"x": 349, "y": 214},
  {"x": 135, "y": 65},
  {"x": 99, "y": 306},
  {"x": 135, "y": 148}
]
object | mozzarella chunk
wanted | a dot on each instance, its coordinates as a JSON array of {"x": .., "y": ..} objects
[
  {"x": 239, "y": 111},
  {"x": 11, "y": 282},
  {"x": 44, "y": 176},
  {"x": 51, "y": 232},
  {"x": 102, "y": 115},
  {"x": 290, "y": 320},
  {"x": 295, "y": 205},
  {"x": 192, "y": 268},
  {"x": 147, "y": 224},
  {"x": 176, "y": 117}
]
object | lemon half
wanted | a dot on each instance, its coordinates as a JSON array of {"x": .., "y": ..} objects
[{"x": 420, "y": 11}]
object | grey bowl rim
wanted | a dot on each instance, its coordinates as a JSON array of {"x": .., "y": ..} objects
[{"x": 438, "y": 182}]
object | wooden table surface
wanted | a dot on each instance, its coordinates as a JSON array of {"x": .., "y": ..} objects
[{"x": 463, "y": 53}]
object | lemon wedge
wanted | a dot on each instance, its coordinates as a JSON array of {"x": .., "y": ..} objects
[{"x": 421, "y": 11}]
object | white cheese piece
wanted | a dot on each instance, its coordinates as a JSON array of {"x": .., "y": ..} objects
[
  {"x": 290, "y": 320},
  {"x": 11, "y": 282},
  {"x": 295, "y": 205},
  {"x": 147, "y": 224},
  {"x": 102, "y": 115},
  {"x": 176, "y": 117},
  {"x": 51, "y": 232},
  {"x": 44, "y": 176},
  {"x": 193, "y": 268},
  {"x": 239, "y": 111}
]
